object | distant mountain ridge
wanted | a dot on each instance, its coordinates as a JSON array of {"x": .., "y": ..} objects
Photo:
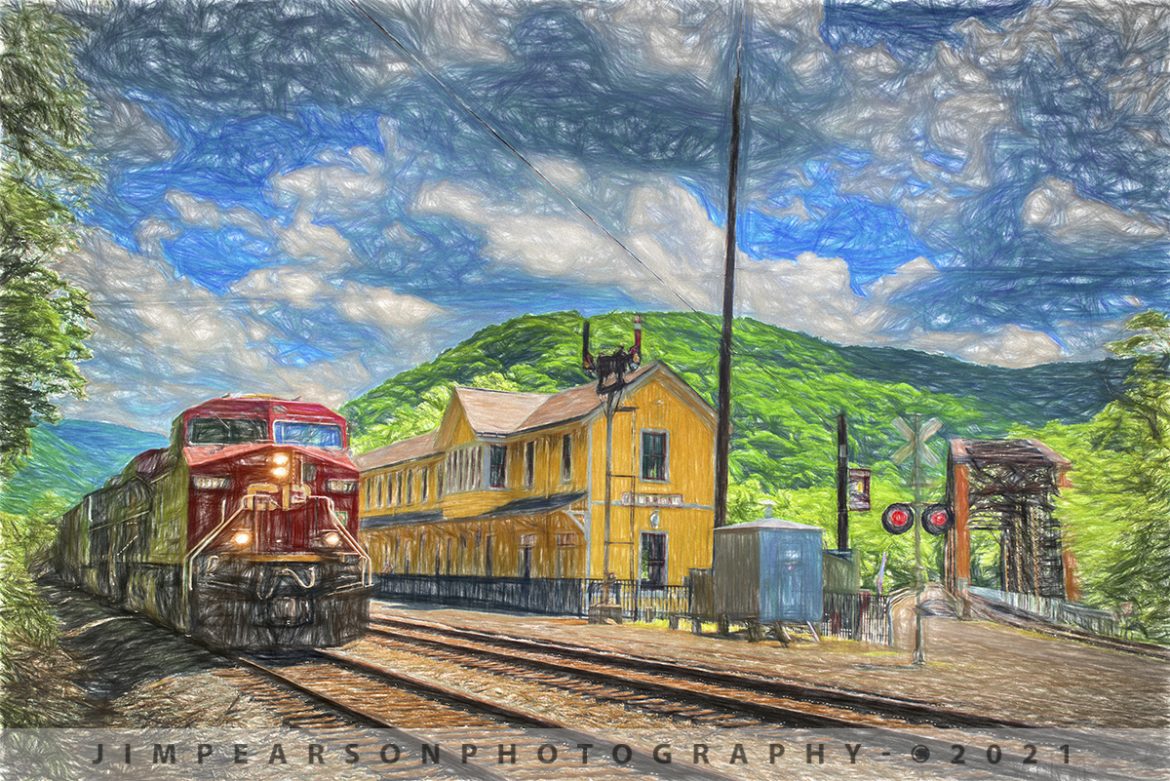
[
  {"x": 787, "y": 390},
  {"x": 787, "y": 387},
  {"x": 72, "y": 458}
]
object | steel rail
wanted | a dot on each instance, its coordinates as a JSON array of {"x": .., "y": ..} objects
[
  {"x": 640, "y": 760},
  {"x": 735, "y": 702},
  {"x": 1005, "y": 614},
  {"x": 892, "y": 707}
]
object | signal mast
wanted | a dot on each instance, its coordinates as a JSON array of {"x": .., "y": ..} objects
[{"x": 610, "y": 369}]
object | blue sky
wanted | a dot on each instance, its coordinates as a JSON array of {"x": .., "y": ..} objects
[{"x": 291, "y": 205}]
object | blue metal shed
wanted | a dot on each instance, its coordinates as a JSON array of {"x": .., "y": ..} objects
[{"x": 769, "y": 570}]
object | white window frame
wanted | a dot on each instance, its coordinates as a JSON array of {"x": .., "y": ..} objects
[
  {"x": 665, "y": 558},
  {"x": 665, "y": 455}
]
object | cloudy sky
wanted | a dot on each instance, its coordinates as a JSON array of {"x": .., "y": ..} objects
[{"x": 293, "y": 204}]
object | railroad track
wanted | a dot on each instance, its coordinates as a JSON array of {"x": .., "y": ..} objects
[
  {"x": 419, "y": 713},
  {"x": 727, "y": 699},
  {"x": 780, "y": 701}
]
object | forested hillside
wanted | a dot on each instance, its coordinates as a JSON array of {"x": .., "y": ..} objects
[
  {"x": 788, "y": 389},
  {"x": 72, "y": 458}
]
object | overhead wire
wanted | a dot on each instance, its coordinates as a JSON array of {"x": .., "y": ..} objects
[{"x": 417, "y": 61}]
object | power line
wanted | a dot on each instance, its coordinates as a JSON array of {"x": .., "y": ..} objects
[{"x": 416, "y": 60}]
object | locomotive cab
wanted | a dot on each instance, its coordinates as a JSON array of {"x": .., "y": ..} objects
[{"x": 274, "y": 559}]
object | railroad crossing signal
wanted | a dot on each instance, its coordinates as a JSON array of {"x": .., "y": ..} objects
[
  {"x": 898, "y": 518},
  {"x": 937, "y": 518},
  {"x": 916, "y": 437}
]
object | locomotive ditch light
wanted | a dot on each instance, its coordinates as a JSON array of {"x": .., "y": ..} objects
[
  {"x": 242, "y": 537},
  {"x": 332, "y": 539},
  {"x": 937, "y": 519},
  {"x": 898, "y": 518}
]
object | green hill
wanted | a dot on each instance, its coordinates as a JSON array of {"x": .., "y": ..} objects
[
  {"x": 787, "y": 387},
  {"x": 787, "y": 391},
  {"x": 71, "y": 459}
]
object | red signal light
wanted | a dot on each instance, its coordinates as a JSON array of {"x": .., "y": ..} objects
[
  {"x": 937, "y": 518},
  {"x": 898, "y": 518}
]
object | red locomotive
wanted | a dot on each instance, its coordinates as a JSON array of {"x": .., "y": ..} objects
[{"x": 241, "y": 533}]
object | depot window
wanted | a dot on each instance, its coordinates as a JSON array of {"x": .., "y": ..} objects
[
  {"x": 498, "y": 470},
  {"x": 566, "y": 458},
  {"x": 226, "y": 431},
  {"x": 654, "y": 455}
]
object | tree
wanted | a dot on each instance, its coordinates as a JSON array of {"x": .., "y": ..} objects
[
  {"x": 44, "y": 177},
  {"x": 1137, "y": 426}
]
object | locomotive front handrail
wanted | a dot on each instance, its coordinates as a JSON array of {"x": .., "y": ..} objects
[
  {"x": 291, "y": 573},
  {"x": 188, "y": 574},
  {"x": 366, "y": 565}
]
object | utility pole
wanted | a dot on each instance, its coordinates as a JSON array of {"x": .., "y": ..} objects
[
  {"x": 916, "y": 476},
  {"x": 610, "y": 408},
  {"x": 723, "y": 433},
  {"x": 842, "y": 484}
]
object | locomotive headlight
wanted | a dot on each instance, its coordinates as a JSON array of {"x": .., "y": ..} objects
[
  {"x": 332, "y": 539},
  {"x": 279, "y": 463},
  {"x": 242, "y": 537}
]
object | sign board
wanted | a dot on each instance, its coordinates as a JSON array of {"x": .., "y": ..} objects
[
  {"x": 652, "y": 500},
  {"x": 859, "y": 489}
]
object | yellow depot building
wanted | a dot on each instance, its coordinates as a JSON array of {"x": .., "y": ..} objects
[{"x": 504, "y": 504}]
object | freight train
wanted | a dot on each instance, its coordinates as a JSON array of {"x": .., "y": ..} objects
[{"x": 242, "y": 532}]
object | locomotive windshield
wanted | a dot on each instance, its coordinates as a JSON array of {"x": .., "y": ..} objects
[
  {"x": 226, "y": 431},
  {"x": 290, "y": 432}
]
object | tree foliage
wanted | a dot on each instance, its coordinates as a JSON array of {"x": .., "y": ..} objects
[
  {"x": 1116, "y": 515},
  {"x": 1137, "y": 428},
  {"x": 43, "y": 179},
  {"x": 28, "y": 630}
]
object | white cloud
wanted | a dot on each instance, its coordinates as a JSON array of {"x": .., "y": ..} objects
[
  {"x": 670, "y": 232},
  {"x": 123, "y": 128},
  {"x": 666, "y": 36},
  {"x": 321, "y": 246},
  {"x": 162, "y": 342},
  {"x": 1054, "y": 207},
  {"x": 208, "y": 214},
  {"x": 318, "y": 258},
  {"x": 336, "y": 183}
]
